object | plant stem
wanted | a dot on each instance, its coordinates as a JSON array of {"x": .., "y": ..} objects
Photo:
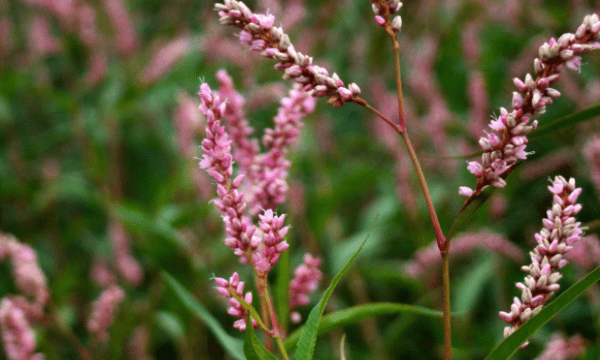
[
  {"x": 54, "y": 316},
  {"x": 446, "y": 296},
  {"x": 374, "y": 111},
  {"x": 281, "y": 348},
  {"x": 396, "y": 44},
  {"x": 274, "y": 321},
  {"x": 439, "y": 235}
]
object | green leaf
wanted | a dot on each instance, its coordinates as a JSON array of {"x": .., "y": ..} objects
[
  {"x": 253, "y": 348},
  {"x": 170, "y": 324},
  {"x": 512, "y": 343},
  {"x": 308, "y": 337},
  {"x": 230, "y": 344},
  {"x": 565, "y": 122},
  {"x": 471, "y": 286},
  {"x": 355, "y": 314}
]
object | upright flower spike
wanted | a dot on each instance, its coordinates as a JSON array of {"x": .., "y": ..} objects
[
  {"x": 235, "y": 286},
  {"x": 503, "y": 147},
  {"x": 274, "y": 245},
  {"x": 556, "y": 238},
  {"x": 260, "y": 34},
  {"x": 244, "y": 148},
  {"x": 268, "y": 172},
  {"x": 218, "y": 161},
  {"x": 105, "y": 309}
]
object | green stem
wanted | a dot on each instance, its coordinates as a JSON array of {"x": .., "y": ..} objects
[
  {"x": 281, "y": 348},
  {"x": 446, "y": 295}
]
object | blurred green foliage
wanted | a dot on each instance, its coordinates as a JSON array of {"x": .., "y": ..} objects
[{"x": 76, "y": 155}]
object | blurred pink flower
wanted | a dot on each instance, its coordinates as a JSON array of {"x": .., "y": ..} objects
[
  {"x": 101, "y": 274},
  {"x": 125, "y": 35},
  {"x": 127, "y": 266},
  {"x": 17, "y": 335},
  {"x": 585, "y": 253},
  {"x": 187, "y": 123},
  {"x": 41, "y": 40},
  {"x": 6, "y": 37},
  {"x": 28, "y": 276},
  {"x": 306, "y": 281},
  {"x": 428, "y": 258},
  {"x": 97, "y": 65},
  {"x": 561, "y": 348},
  {"x": 139, "y": 343},
  {"x": 592, "y": 154},
  {"x": 104, "y": 311},
  {"x": 165, "y": 59}
]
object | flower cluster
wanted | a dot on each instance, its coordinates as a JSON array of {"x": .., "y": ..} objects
[
  {"x": 561, "y": 348},
  {"x": 274, "y": 245},
  {"x": 383, "y": 9},
  {"x": 560, "y": 231},
  {"x": 269, "y": 170},
  {"x": 258, "y": 32},
  {"x": 502, "y": 152},
  {"x": 245, "y": 149},
  {"x": 18, "y": 338},
  {"x": 126, "y": 264},
  {"x": 104, "y": 311},
  {"x": 218, "y": 161},
  {"x": 235, "y": 286},
  {"x": 29, "y": 278},
  {"x": 306, "y": 280}
]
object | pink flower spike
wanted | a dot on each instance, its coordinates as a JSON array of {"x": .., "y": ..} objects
[
  {"x": 531, "y": 100},
  {"x": 258, "y": 30},
  {"x": 236, "y": 286},
  {"x": 547, "y": 256}
]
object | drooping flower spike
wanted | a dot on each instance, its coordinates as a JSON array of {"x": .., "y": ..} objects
[
  {"x": 258, "y": 32},
  {"x": 507, "y": 143}
]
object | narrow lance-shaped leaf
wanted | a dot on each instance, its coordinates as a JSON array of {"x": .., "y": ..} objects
[
  {"x": 357, "y": 313},
  {"x": 232, "y": 345},
  {"x": 565, "y": 122},
  {"x": 308, "y": 337},
  {"x": 512, "y": 343},
  {"x": 253, "y": 348}
]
